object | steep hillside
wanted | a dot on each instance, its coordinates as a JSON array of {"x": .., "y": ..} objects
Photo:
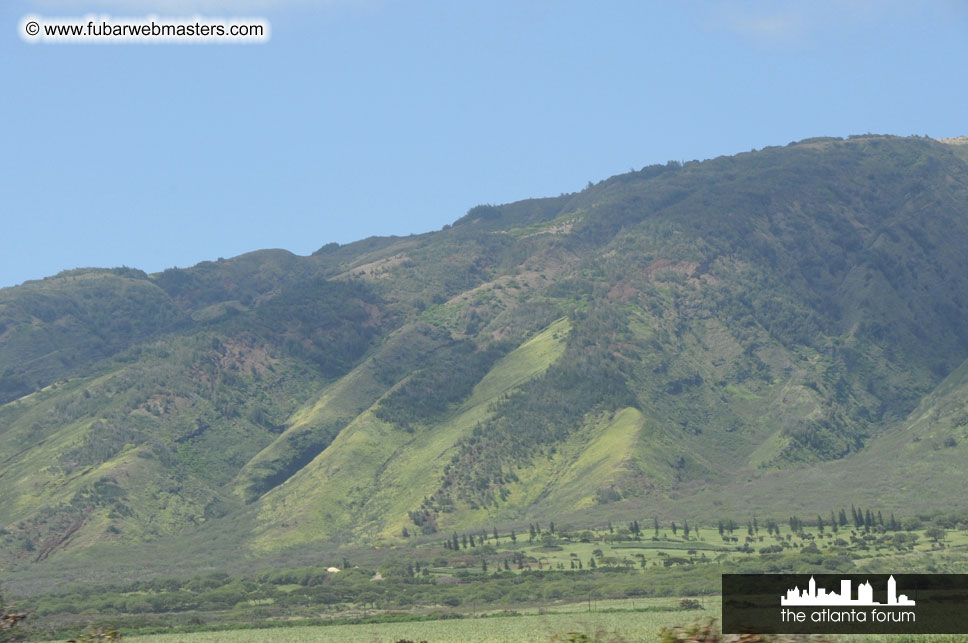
[{"x": 740, "y": 333}]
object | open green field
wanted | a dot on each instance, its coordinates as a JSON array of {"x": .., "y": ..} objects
[
  {"x": 617, "y": 622},
  {"x": 633, "y": 625}
]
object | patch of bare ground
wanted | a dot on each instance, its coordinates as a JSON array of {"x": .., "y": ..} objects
[
  {"x": 238, "y": 355},
  {"x": 537, "y": 272},
  {"x": 561, "y": 228},
  {"x": 695, "y": 273},
  {"x": 623, "y": 291},
  {"x": 687, "y": 268},
  {"x": 162, "y": 404},
  {"x": 379, "y": 269}
]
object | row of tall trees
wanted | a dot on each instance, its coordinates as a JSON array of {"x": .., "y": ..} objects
[{"x": 861, "y": 519}]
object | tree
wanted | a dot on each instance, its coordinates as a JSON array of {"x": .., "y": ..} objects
[
  {"x": 655, "y": 523},
  {"x": 935, "y": 533},
  {"x": 674, "y": 528},
  {"x": 685, "y": 529},
  {"x": 514, "y": 537}
]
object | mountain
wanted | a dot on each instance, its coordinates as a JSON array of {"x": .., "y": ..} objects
[{"x": 777, "y": 330}]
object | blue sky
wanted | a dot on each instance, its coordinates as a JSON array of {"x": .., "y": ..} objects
[{"x": 377, "y": 117}]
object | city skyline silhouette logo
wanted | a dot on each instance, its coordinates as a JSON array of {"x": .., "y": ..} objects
[{"x": 813, "y": 595}]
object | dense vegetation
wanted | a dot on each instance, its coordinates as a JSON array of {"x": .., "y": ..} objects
[{"x": 780, "y": 328}]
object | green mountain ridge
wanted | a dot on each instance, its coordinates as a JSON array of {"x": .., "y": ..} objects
[{"x": 777, "y": 330}]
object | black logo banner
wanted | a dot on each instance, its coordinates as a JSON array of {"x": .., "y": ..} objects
[{"x": 845, "y": 603}]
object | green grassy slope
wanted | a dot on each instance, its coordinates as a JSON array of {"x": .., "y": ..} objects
[
  {"x": 147, "y": 445},
  {"x": 375, "y": 473},
  {"x": 140, "y": 451},
  {"x": 313, "y": 426},
  {"x": 914, "y": 467}
]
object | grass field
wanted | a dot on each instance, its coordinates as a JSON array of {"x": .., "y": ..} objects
[
  {"x": 614, "y": 621},
  {"x": 634, "y": 625}
]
